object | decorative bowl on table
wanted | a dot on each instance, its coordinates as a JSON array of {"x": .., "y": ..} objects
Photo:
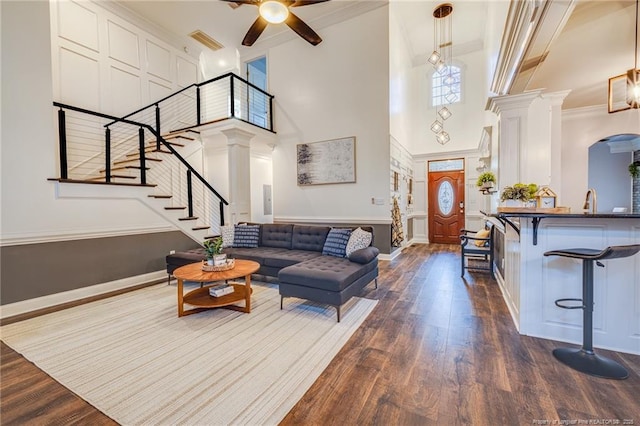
[{"x": 229, "y": 264}]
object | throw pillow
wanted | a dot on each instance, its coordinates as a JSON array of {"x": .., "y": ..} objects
[
  {"x": 246, "y": 236},
  {"x": 483, "y": 233},
  {"x": 226, "y": 232},
  {"x": 336, "y": 242},
  {"x": 359, "y": 239}
]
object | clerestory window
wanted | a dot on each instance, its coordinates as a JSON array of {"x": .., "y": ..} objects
[{"x": 446, "y": 87}]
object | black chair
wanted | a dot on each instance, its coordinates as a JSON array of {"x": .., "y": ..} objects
[
  {"x": 472, "y": 251},
  {"x": 585, "y": 359}
]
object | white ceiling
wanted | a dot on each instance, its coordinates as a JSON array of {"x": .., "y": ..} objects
[{"x": 595, "y": 44}]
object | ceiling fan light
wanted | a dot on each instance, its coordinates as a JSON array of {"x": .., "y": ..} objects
[
  {"x": 444, "y": 112},
  {"x": 633, "y": 88},
  {"x": 436, "y": 127},
  {"x": 443, "y": 137},
  {"x": 434, "y": 58},
  {"x": 274, "y": 12}
]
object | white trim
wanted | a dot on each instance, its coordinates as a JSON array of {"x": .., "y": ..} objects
[
  {"x": 583, "y": 112},
  {"x": 30, "y": 305},
  {"x": 52, "y": 237},
  {"x": 355, "y": 220},
  {"x": 507, "y": 300}
]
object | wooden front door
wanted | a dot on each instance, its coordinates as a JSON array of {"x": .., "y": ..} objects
[{"x": 446, "y": 206}]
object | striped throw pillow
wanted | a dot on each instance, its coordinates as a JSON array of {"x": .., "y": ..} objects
[
  {"x": 336, "y": 242},
  {"x": 246, "y": 236}
]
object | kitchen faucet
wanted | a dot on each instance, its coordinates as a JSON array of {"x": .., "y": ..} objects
[{"x": 593, "y": 206}]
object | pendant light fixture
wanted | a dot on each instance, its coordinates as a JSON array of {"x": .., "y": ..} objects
[
  {"x": 624, "y": 89},
  {"x": 440, "y": 59}
]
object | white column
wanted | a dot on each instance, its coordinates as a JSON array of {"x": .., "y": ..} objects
[
  {"x": 238, "y": 144},
  {"x": 556, "y": 99},
  {"x": 530, "y": 136},
  {"x": 513, "y": 137}
]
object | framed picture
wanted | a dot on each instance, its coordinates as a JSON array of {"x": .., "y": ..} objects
[{"x": 326, "y": 162}]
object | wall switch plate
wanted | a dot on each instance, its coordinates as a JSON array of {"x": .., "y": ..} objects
[{"x": 379, "y": 201}]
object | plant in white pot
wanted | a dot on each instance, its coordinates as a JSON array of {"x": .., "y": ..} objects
[
  {"x": 486, "y": 180},
  {"x": 213, "y": 251},
  {"x": 518, "y": 194}
]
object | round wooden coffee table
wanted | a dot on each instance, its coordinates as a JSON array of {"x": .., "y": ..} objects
[{"x": 200, "y": 297}]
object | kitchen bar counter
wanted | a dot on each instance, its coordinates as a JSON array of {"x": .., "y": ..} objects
[{"x": 531, "y": 282}]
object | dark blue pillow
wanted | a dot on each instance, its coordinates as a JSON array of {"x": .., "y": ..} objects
[
  {"x": 336, "y": 242},
  {"x": 246, "y": 236}
]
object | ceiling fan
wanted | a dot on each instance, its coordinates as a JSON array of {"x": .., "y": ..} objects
[{"x": 276, "y": 12}]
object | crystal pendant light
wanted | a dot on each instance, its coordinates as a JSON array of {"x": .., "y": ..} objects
[{"x": 441, "y": 61}]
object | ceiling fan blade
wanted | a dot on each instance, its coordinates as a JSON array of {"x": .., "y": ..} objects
[
  {"x": 254, "y": 32},
  {"x": 239, "y": 2},
  {"x": 303, "y": 30},
  {"x": 298, "y": 3}
]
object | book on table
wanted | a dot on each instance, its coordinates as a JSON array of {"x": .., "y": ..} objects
[{"x": 220, "y": 290}]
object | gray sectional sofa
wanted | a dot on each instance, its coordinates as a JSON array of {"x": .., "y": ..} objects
[{"x": 293, "y": 254}]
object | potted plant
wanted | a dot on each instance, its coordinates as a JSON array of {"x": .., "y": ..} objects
[
  {"x": 518, "y": 194},
  {"x": 486, "y": 180},
  {"x": 213, "y": 251},
  {"x": 634, "y": 169}
]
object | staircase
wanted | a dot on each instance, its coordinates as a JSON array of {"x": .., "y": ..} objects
[{"x": 133, "y": 151}]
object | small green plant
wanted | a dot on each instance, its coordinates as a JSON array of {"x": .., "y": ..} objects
[
  {"x": 519, "y": 191},
  {"x": 486, "y": 177},
  {"x": 213, "y": 247},
  {"x": 634, "y": 169}
]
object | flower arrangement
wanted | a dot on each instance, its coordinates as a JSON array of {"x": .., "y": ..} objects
[{"x": 519, "y": 191}]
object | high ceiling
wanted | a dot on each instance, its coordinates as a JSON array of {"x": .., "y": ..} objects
[{"x": 596, "y": 43}]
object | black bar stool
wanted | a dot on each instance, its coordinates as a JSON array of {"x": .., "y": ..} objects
[{"x": 584, "y": 359}]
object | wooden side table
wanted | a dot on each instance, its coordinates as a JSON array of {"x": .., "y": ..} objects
[{"x": 200, "y": 297}]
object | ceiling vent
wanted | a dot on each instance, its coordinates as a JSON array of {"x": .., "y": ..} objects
[{"x": 206, "y": 39}]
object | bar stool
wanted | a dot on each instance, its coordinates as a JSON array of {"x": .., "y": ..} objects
[{"x": 584, "y": 359}]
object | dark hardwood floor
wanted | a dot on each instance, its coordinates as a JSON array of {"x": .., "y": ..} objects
[{"x": 436, "y": 350}]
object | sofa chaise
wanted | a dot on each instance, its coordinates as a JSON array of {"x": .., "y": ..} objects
[{"x": 306, "y": 260}]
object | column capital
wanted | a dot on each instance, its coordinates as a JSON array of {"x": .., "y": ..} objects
[
  {"x": 556, "y": 98},
  {"x": 238, "y": 136},
  {"x": 500, "y": 104}
]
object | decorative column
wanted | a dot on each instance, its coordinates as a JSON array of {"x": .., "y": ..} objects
[
  {"x": 238, "y": 145},
  {"x": 530, "y": 134}
]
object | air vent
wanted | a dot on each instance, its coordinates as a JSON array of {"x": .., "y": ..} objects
[{"x": 206, "y": 39}]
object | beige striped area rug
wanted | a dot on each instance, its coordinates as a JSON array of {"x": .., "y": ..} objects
[{"x": 136, "y": 361}]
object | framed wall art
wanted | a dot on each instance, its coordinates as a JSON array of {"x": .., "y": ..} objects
[{"x": 326, "y": 162}]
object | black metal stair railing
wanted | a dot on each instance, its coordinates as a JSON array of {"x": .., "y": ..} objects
[
  {"x": 103, "y": 148},
  {"x": 220, "y": 98}
]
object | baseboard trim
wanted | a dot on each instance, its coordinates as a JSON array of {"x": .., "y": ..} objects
[{"x": 19, "y": 311}]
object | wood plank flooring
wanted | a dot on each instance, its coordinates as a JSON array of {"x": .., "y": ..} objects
[{"x": 436, "y": 349}]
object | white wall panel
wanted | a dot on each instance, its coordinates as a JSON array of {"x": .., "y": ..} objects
[
  {"x": 187, "y": 72},
  {"x": 79, "y": 79},
  {"x": 158, "y": 90},
  {"x": 125, "y": 91},
  {"x": 158, "y": 61},
  {"x": 78, "y": 24},
  {"x": 123, "y": 45}
]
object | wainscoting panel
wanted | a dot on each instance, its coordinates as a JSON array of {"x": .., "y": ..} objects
[
  {"x": 79, "y": 79},
  {"x": 123, "y": 45},
  {"x": 158, "y": 61},
  {"x": 78, "y": 24}
]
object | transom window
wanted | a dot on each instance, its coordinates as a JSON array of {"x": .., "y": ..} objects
[{"x": 446, "y": 87}]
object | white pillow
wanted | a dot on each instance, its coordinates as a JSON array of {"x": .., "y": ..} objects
[
  {"x": 227, "y": 235},
  {"x": 359, "y": 239}
]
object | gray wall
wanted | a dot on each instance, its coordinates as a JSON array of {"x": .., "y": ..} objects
[
  {"x": 35, "y": 270},
  {"x": 609, "y": 176}
]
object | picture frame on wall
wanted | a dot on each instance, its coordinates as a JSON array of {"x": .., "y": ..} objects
[{"x": 326, "y": 162}]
